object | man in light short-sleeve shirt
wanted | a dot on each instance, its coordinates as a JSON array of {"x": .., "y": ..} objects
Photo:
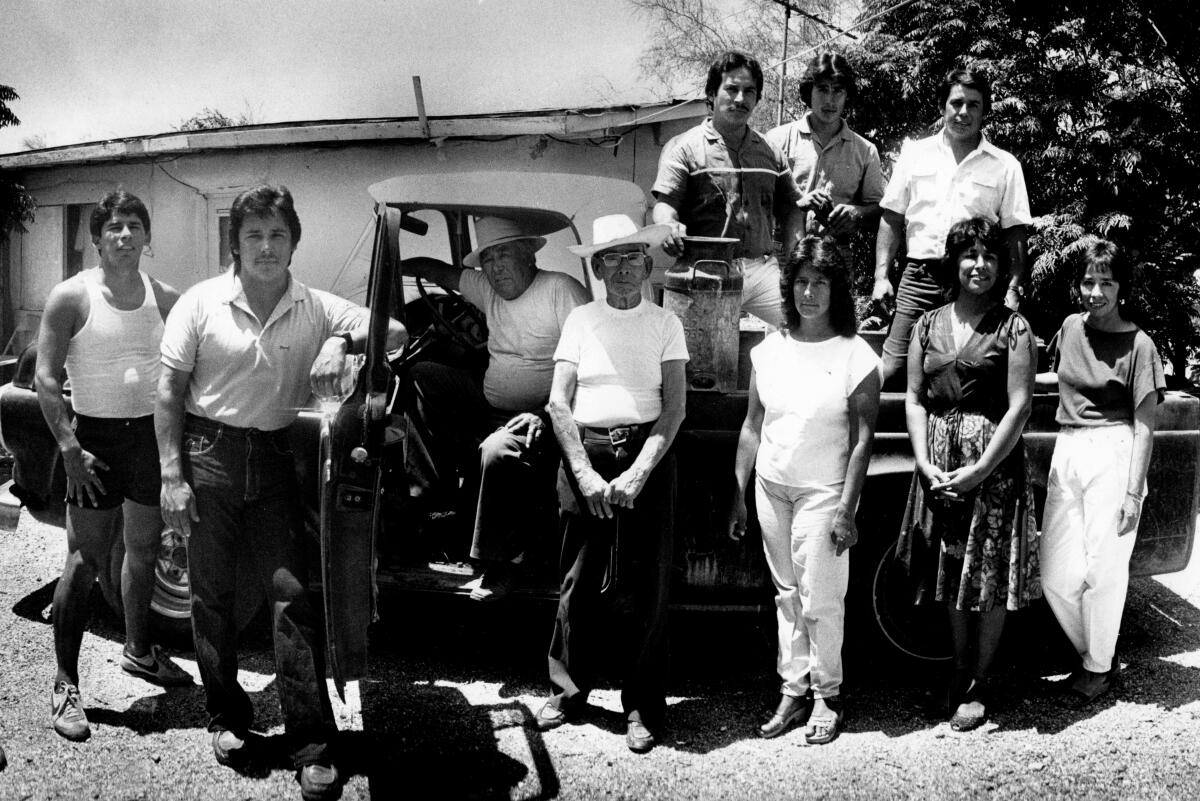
[
  {"x": 495, "y": 436},
  {"x": 724, "y": 179},
  {"x": 242, "y": 353},
  {"x": 951, "y": 176}
]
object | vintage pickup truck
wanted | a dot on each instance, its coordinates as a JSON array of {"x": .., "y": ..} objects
[{"x": 375, "y": 526}]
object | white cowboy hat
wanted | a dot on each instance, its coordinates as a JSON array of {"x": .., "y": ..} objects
[
  {"x": 614, "y": 230},
  {"x": 496, "y": 231}
]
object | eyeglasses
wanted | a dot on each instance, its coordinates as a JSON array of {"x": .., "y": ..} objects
[{"x": 636, "y": 260}]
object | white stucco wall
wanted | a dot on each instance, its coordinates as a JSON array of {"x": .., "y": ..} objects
[{"x": 329, "y": 184}]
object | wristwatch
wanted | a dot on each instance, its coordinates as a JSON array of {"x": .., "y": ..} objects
[
  {"x": 349, "y": 341},
  {"x": 1020, "y": 290}
]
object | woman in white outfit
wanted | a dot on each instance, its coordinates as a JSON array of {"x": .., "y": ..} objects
[
  {"x": 814, "y": 395},
  {"x": 1110, "y": 381}
]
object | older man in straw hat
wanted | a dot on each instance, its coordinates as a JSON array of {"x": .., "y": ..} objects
[
  {"x": 497, "y": 431},
  {"x": 616, "y": 404}
]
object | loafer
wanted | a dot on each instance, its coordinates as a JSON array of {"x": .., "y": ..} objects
[
  {"x": 230, "y": 750},
  {"x": 792, "y": 711},
  {"x": 498, "y": 580},
  {"x": 320, "y": 783},
  {"x": 550, "y": 717},
  {"x": 638, "y": 737}
]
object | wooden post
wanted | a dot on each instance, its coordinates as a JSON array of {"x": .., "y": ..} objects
[{"x": 421, "y": 106}]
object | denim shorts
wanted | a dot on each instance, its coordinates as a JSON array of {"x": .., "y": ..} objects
[{"x": 127, "y": 445}]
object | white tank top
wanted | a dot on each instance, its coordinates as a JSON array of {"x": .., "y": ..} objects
[{"x": 113, "y": 361}]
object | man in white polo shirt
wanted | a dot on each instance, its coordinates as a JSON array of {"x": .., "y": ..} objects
[
  {"x": 951, "y": 176},
  {"x": 241, "y": 354}
]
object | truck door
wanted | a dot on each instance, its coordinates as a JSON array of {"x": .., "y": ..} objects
[{"x": 351, "y": 451}]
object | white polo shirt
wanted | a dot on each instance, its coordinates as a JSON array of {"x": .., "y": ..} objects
[
  {"x": 246, "y": 373},
  {"x": 933, "y": 192}
]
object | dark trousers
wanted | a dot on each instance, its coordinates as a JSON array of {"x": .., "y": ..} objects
[
  {"x": 244, "y": 483},
  {"x": 920, "y": 291},
  {"x": 507, "y": 486},
  {"x": 637, "y": 579}
]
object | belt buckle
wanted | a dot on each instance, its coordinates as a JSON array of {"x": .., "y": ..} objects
[{"x": 619, "y": 435}]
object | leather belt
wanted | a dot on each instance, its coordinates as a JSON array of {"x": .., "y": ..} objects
[{"x": 617, "y": 435}]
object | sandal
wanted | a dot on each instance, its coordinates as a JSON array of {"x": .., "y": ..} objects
[
  {"x": 975, "y": 694},
  {"x": 824, "y": 730}
]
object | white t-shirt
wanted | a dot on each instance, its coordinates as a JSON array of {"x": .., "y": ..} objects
[
  {"x": 804, "y": 387},
  {"x": 619, "y": 355},
  {"x": 522, "y": 335},
  {"x": 933, "y": 192}
]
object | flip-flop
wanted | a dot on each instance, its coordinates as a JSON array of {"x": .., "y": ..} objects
[{"x": 823, "y": 730}]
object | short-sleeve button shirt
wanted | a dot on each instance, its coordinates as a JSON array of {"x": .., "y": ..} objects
[
  {"x": 720, "y": 191},
  {"x": 933, "y": 192},
  {"x": 847, "y": 161},
  {"x": 244, "y": 372}
]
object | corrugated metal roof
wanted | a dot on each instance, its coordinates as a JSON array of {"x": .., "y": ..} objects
[{"x": 576, "y": 123}]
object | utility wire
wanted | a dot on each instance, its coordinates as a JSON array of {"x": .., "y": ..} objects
[{"x": 858, "y": 24}]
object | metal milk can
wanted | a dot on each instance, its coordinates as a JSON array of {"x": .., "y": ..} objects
[{"x": 704, "y": 290}]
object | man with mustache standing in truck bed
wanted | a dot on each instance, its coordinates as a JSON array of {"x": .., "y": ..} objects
[{"x": 724, "y": 179}]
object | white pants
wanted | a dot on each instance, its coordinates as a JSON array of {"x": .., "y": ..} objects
[
  {"x": 1085, "y": 565},
  {"x": 760, "y": 289},
  {"x": 810, "y": 583}
]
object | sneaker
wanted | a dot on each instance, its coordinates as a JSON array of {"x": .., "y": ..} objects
[
  {"x": 66, "y": 712},
  {"x": 156, "y": 668}
]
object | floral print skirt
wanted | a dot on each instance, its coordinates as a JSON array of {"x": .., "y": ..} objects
[{"x": 982, "y": 550}]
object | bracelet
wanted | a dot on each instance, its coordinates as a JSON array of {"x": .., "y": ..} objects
[{"x": 1138, "y": 495}]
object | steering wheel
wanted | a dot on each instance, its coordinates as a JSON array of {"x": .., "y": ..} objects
[{"x": 450, "y": 315}]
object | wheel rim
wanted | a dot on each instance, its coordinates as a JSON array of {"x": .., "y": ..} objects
[
  {"x": 920, "y": 631},
  {"x": 172, "y": 592}
]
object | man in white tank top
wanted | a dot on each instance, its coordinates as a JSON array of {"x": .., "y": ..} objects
[{"x": 104, "y": 327}]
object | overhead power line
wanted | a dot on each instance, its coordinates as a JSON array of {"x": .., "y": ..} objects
[{"x": 795, "y": 9}]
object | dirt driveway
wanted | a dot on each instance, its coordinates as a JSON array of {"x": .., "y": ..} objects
[{"x": 447, "y": 713}]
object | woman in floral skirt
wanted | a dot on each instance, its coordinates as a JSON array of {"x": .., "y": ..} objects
[{"x": 969, "y": 535}]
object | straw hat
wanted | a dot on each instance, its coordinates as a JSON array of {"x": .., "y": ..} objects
[
  {"x": 614, "y": 230},
  {"x": 491, "y": 231}
]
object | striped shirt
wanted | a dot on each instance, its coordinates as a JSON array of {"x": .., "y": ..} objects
[{"x": 719, "y": 191}]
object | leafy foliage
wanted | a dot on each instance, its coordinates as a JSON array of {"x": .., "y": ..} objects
[
  {"x": 211, "y": 118},
  {"x": 1101, "y": 109},
  {"x": 16, "y": 204}
]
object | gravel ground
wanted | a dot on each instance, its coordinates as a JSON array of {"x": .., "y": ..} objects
[{"x": 448, "y": 711}]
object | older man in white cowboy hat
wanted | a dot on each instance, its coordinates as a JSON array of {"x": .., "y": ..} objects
[
  {"x": 504, "y": 418},
  {"x": 616, "y": 404}
]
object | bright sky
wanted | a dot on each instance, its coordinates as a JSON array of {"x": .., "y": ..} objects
[{"x": 103, "y": 69}]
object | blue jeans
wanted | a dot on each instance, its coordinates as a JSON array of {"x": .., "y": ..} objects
[
  {"x": 920, "y": 291},
  {"x": 244, "y": 483}
]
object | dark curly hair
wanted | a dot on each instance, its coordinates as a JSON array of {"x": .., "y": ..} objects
[
  {"x": 117, "y": 202},
  {"x": 823, "y": 255},
  {"x": 728, "y": 62},
  {"x": 964, "y": 234},
  {"x": 828, "y": 67},
  {"x": 260, "y": 201},
  {"x": 1092, "y": 251}
]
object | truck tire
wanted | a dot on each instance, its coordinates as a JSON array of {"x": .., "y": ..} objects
[
  {"x": 879, "y": 603},
  {"x": 170, "y": 605}
]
